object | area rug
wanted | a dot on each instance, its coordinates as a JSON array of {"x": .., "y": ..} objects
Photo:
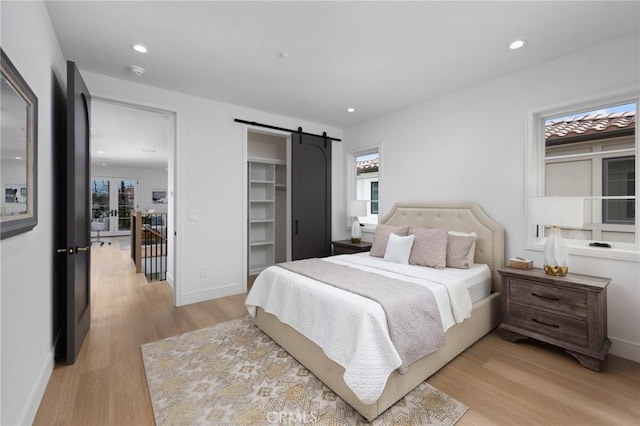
[{"x": 233, "y": 374}]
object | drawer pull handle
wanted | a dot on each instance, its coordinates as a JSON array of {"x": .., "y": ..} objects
[
  {"x": 545, "y": 323},
  {"x": 546, "y": 297}
]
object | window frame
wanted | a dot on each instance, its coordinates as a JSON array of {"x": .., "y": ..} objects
[
  {"x": 535, "y": 170},
  {"x": 351, "y": 181}
]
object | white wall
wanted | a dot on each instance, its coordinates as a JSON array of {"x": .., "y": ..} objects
[
  {"x": 470, "y": 145},
  {"x": 26, "y": 287},
  {"x": 209, "y": 169}
]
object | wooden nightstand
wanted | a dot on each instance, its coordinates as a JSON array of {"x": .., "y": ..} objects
[
  {"x": 569, "y": 312},
  {"x": 347, "y": 247}
]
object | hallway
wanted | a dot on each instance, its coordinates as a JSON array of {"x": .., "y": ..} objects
[{"x": 107, "y": 384}]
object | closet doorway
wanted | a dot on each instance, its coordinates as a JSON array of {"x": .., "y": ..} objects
[
  {"x": 268, "y": 200},
  {"x": 288, "y": 197}
]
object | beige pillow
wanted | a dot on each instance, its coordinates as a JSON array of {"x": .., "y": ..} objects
[
  {"x": 461, "y": 249},
  {"x": 381, "y": 237},
  {"x": 429, "y": 248}
]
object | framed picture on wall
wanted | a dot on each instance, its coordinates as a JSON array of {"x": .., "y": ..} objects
[
  {"x": 159, "y": 196},
  {"x": 15, "y": 193}
]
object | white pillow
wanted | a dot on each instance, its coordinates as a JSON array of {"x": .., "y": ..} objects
[{"x": 398, "y": 249}]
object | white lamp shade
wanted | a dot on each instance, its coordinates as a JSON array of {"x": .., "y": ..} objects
[
  {"x": 557, "y": 211},
  {"x": 357, "y": 208}
]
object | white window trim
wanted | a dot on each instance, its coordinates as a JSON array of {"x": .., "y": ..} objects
[
  {"x": 534, "y": 168},
  {"x": 351, "y": 177}
]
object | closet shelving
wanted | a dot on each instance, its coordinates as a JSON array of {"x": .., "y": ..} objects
[{"x": 263, "y": 183}]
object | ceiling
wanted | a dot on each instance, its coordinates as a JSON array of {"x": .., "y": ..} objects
[
  {"x": 312, "y": 60},
  {"x": 125, "y": 136}
]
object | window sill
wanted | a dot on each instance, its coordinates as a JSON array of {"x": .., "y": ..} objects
[{"x": 629, "y": 255}]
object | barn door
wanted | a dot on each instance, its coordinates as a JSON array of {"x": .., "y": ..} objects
[{"x": 310, "y": 196}]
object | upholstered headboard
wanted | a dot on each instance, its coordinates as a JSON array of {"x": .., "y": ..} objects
[{"x": 464, "y": 217}]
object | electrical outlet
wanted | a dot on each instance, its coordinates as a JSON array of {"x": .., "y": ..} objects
[{"x": 203, "y": 273}]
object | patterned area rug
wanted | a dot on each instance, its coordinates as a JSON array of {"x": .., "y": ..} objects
[{"x": 233, "y": 374}]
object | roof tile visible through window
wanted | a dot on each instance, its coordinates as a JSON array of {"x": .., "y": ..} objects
[
  {"x": 590, "y": 124},
  {"x": 367, "y": 166}
]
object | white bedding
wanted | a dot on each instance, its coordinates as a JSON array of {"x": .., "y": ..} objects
[{"x": 351, "y": 329}]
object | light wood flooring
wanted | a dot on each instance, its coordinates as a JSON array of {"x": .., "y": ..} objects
[{"x": 502, "y": 383}]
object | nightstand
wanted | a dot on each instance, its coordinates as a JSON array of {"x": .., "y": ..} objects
[
  {"x": 569, "y": 312},
  {"x": 347, "y": 247}
]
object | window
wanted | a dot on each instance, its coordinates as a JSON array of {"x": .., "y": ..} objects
[
  {"x": 588, "y": 150},
  {"x": 374, "y": 198},
  {"x": 619, "y": 180},
  {"x": 364, "y": 172}
]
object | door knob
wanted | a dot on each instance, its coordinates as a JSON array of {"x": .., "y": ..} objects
[{"x": 78, "y": 249}]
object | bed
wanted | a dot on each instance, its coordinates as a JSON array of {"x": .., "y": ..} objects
[{"x": 484, "y": 313}]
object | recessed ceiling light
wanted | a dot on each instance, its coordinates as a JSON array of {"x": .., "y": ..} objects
[
  {"x": 100, "y": 152},
  {"x": 103, "y": 164},
  {"x": 517, "y": 44},
  {"x": 18, "y": 158},
  {"x": 140, "y": 48},
  {"x": 148, "y": 150},
  {"x": 350, "y": 109}
]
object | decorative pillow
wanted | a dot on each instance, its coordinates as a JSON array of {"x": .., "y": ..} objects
[
  {"x": 461, "y": 249},
  {"x": 380, "y": 238},
  {"x": 398, "y": 249},
  {"x": 429, "y": 248}
]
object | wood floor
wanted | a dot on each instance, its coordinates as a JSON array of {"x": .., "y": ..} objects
[{"x": 502, "y": 383}]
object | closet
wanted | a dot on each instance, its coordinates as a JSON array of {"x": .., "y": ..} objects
[
  {"x": 289, "y": 198},
  {"x": 267, "y": 200}
]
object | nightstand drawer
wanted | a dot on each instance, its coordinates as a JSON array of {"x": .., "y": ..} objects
[
  {"x": 561, "y": 328},
  {"x": 549, "y": 297}
]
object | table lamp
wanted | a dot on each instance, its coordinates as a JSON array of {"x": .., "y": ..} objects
[
  {"x": 355, "y": 209},
  {"x": 557, "y": 211}
]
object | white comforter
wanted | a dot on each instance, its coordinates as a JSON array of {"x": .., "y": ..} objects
[{"x": 351, "y": 329}]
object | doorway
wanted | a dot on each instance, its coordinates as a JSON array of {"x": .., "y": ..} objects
[
  {"x": 113, "y": 199},
  {"x": 268, "y": 201},
  {"x": 133, "y": 173}
]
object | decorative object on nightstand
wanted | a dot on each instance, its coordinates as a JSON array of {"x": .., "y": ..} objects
[
  {"x": 355, "y": 209},
  {"x": 520, "y": 263},
  {"x": 557, "y": 211},
  {"x": 347, "y": 247},
  {"x": 569, "y": 312}
]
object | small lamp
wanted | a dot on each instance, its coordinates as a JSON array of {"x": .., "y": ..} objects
[
  {"x": 355, "y": 209},
  {"x": 557, "y": 211}
]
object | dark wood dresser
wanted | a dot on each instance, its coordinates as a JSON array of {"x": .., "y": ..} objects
[
  {"x": 569, "y": 312},
  {"x": 347, "y": 247}
]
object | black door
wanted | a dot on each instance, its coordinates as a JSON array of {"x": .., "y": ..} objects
[
  {"x": 310, "y": 196},
  {"x": 72, "y": 214}
]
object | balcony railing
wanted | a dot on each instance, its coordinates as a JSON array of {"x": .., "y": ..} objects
[{"x": 149, "y": 244}]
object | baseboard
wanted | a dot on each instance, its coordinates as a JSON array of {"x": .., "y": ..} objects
[
  {"x": 625, "y": 349},
  {"x": 214, "y": 293},
  {"x": 170, "y": 280},
  {"x": 30, "y": 411}
]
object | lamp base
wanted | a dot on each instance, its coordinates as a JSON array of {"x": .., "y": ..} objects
[
  {"x": 356, "y": 234},
  {"x": 558, "y": 271}
]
